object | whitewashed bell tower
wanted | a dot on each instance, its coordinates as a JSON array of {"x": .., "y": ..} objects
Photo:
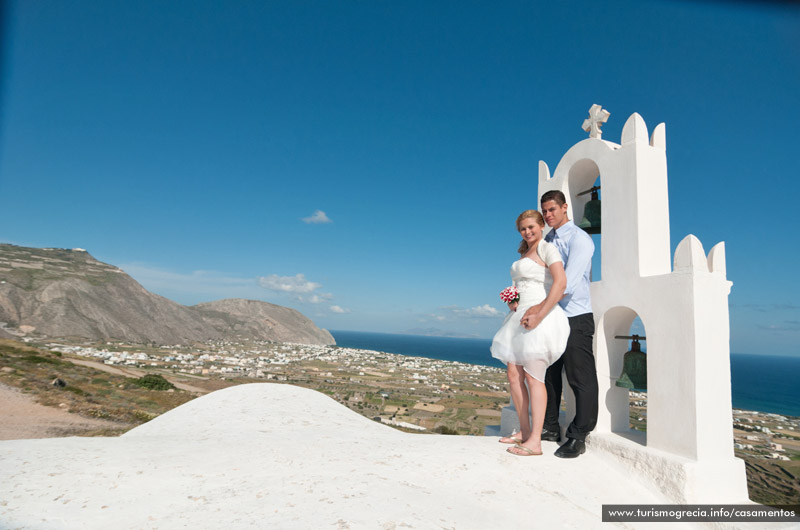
[{"x": 687, "y": 451}]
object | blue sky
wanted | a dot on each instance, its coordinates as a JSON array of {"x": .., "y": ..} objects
[{"x": 192, "y": 143}]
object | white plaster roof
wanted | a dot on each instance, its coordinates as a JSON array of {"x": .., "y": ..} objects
[{"x": 280, "y": 456}]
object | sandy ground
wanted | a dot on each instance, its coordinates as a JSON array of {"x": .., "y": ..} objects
[{"x": 22, "y": 418}]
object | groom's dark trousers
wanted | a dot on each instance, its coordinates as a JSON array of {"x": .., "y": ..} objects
[{"x": 578, "y": 363}]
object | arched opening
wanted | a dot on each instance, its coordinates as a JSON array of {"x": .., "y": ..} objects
[
  {"x": 637, "y": 397},
  {"x": 583, "y": 183},
  {"x": 627, "y": 406}
]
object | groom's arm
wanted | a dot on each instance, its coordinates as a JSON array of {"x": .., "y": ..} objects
[
  {"x": 530, "y": 320},
  {"x": 581, "y": 250}
]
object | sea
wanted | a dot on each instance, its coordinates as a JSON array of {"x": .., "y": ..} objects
[{"x": 764, "y": 383}]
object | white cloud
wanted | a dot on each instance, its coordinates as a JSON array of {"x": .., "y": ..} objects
[
  {"x": 432, "y": 316},
  {"x": 318, "y": 298},
  {"x": 765, "y": 308},
  {"x": 298, "y": 287},
  {"x": 454, "y": 313},
  {"x": 337, "y": 309},
  {"x": 202, "y": 286},
  {"x": 481, "y": 311},
  {"x": 787, "y": 325},
  {"x": 319, "y": 217},
  {"x": 192, "y": 287},
  {"x": 288, "y": 284}
]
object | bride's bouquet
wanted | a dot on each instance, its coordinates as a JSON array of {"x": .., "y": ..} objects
[{"x": 509, "y": 295}]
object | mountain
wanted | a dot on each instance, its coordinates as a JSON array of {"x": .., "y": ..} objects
[
  {"x": 68, "y": 293},
  {"x": 237, "y": 317}
]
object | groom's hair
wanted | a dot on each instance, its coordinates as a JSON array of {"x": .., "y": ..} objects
[{"x": 554, "y": 195}]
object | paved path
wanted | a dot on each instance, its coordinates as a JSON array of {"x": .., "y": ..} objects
[{"x": 21, "y": 417}]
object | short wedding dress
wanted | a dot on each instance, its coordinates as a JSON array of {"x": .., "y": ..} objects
[{"x": 537, "y": 348}]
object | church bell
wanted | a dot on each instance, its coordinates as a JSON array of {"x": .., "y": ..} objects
[
  {"x": 634, "y": 366},
  {"x": 591, "y": 212}
]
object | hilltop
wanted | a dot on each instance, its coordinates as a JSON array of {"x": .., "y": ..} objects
[{"x": 68, "y": 293}]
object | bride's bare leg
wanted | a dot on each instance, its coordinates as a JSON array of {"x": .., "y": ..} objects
[
  {"x": 538, "y": 406},
  {"x": 519, "y": 395}
]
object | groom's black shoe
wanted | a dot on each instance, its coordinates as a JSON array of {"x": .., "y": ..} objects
[
  {"x": 550, "y": 436},
  {"x": 572, "y": 449}
]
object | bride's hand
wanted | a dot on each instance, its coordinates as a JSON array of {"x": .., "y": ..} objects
[
  {"x": 513, "y": 305},
  {"x": 531, "y": 321},
  {"x": 532, "y": 317}
]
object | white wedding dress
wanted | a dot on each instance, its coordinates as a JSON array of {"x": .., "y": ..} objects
[{"x": 537, "y": 348}]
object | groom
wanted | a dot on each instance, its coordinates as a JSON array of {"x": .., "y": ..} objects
[{"x": 576, "y": 248}]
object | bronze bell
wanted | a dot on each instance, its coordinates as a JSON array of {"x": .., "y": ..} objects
[
  {"x": 591, "y": 212},
  {"x": 634, "y": 367}
]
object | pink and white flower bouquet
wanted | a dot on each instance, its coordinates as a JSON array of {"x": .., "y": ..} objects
[{"x": 509, "y": 295}]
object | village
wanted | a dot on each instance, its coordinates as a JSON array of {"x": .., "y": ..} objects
[{"x": 413, "y": 393}]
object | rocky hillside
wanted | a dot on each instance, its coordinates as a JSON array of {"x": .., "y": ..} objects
[
  {"x": 236, "y": 317},
  {"x": 68, "y": 293}
]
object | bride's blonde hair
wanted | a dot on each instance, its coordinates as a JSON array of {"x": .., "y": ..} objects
[{"x": 523, "y": 247}]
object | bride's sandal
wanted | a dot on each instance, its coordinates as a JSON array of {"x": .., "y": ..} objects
[
  {"x": 510, "y": 440},
  {"x": 525, "y": 451}
]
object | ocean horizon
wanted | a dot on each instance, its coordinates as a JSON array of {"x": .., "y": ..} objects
[{"x": 763, "y": 383}]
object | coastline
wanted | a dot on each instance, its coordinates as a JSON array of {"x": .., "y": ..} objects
[{"x": 760, "y": 382}]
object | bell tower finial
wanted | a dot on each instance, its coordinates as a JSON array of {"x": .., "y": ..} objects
[{"x": 597, "y": 117}]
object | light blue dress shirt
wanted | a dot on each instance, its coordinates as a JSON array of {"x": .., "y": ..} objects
[{"x": 576, "y": 248}]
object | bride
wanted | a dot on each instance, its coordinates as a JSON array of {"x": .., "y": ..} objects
[{"x": 539, "y": 277}]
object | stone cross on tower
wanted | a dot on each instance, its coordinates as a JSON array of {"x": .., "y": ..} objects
[{"x": 597, "y": 117}]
